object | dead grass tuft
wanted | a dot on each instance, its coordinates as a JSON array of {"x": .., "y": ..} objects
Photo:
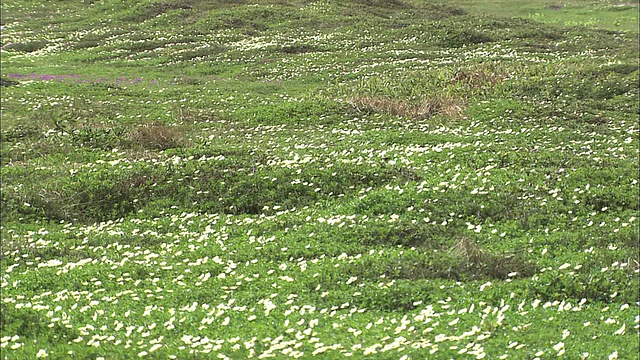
[
  {"x": 449, "y": 106},
  {"x": 465, "y": 260},
  {"x": 157, "y": 136},
  {"x": 480, "y": 78},
  {"x": 477, "y": 263},
  {"x": 469, "y": 251}
]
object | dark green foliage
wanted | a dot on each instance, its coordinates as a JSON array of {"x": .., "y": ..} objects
[
  {"x": 146, "y": 11},
  {"x": 439, "y": 11},
  {"x": 391, "y": 4},
  {"x": 465, "y": 37},
  {"x": 99, "y": 138},
  {"x": 308, "y": 112},
  {"x": 27, "y": 47},
  {"x": 7, "y": 82},
  {"x": 20, "y": 132}
]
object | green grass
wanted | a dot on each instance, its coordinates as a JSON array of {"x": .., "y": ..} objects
[
  {"x": 609, "y": 15},
  {"x": 384, "y": 179}
]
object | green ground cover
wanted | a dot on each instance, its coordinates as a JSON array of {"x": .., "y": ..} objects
[{"x": 388, "y": 179}]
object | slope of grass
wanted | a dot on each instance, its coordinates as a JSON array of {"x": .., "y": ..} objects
[{"x": 386, "y": 179}]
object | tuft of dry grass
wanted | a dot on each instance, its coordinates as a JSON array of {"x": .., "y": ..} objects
[
  {"x": 469, "y": 251},
  {"x": 478, "y": 78},
  {"x": 157, "y": 136},
  {"x": 479, "y": 264},
  {"x": 449, "y": 106},
  {"x": 465, "y": 260}
]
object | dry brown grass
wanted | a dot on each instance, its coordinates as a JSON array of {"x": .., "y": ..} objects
[
  {"x": 449, "y": 106},
  {"x": 479, "y": 264},
  {"x": 478, "y": 78},
  {"x": 157, "y": 136},
  {"x": 469, "y": 251}
]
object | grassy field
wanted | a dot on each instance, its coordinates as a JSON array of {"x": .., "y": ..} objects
[{"x": 394, "y": 179}]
